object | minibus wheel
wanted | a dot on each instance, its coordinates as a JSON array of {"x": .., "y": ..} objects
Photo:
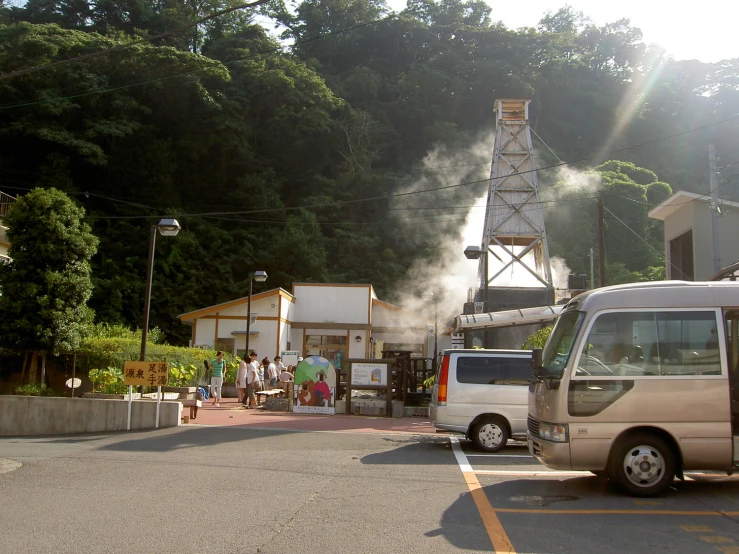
[
  {"x": 490, "y": 434},
  {"x": 642, "y": 465}
]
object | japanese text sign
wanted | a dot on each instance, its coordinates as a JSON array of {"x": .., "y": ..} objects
[{"x": 145, "y": 374}]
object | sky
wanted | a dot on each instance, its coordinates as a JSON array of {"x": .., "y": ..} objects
[{"x": 703, "y": 31}]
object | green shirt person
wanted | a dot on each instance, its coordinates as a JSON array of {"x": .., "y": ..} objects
[
  {"x": 218, "y": 365},
  {"x": 216, "y": 381}
]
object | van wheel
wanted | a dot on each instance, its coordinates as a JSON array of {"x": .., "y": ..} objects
[
  {"x": 490, "y": 434},
  {"x": 642, "y": 465}
]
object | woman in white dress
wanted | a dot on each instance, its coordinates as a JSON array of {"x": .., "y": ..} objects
[{"x": 241, "y": 381}]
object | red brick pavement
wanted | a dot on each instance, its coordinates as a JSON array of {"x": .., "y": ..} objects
[{"x": 232, "y": 414}]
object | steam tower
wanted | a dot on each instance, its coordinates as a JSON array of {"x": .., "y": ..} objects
[{"x": 514, "y": 257}]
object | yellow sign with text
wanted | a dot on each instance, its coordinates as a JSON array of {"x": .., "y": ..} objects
[{"x": 145, "y": 374}]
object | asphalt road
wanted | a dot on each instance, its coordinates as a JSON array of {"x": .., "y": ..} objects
[{"x": 236, "y": 490}]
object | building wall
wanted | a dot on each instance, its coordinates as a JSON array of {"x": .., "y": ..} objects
[
  {"x": 728, "y": 231},
  {"x": 230, "y": 323},
  {"x": 330, "y": 303},
  {"x": 696, "y": 216}
]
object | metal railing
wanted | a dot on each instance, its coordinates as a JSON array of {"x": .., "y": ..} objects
[{"x": 5, "y": 202}]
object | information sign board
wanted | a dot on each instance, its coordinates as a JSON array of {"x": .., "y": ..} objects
[{"x": 145, "y": 374}]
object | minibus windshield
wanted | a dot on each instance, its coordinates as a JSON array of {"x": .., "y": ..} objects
[{"x": 557, "y": 350}]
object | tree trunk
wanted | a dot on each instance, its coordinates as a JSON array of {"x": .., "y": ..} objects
[
  {"x": 24, "y": 368},
  {"x": 32, "y": 369},
  {"x": 43, "y": 369}
]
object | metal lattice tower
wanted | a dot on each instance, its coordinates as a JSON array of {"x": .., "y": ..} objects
[{"x": 514, "y": 221}]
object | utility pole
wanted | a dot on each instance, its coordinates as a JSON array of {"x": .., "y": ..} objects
[
  {"x": 592, "y": 268},
  {"x": 714, "y": 207},
  {"x": 601, "y": 246}
]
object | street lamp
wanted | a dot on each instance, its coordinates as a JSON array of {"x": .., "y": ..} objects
[
  {"x": 433, "y": 298},
  {"x": 474, "y": 253},
  {"x": 259, "y": 277},
  {"x": 167, "y": 228}
]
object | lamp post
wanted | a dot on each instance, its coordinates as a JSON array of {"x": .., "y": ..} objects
[
  {"x": 167, "y": 228},
  {"x": 434, "y": 299},
  {"x": 259, "y": 277}
]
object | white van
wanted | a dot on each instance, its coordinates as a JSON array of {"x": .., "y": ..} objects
[{"x": 483, "y": 394}]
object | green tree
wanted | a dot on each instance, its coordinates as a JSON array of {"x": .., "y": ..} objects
[{"x": 46, "y": 285}]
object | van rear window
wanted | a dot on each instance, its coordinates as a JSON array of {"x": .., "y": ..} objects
[{"x": 487, "y": 370}]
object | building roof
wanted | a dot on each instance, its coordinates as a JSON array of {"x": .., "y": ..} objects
[
  {"x": 679, "y": 199},
  {"x": 218, "y": 307}
]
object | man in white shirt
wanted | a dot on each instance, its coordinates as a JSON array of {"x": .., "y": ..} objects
[
  {"x": 271, "y": 372},
  {"x": 280, "y": 365},
  {"x": 252, "y": 381}
]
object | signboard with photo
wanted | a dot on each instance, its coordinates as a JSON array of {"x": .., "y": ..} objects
[
  {"x": 315, "y": 383},
  {"x": 372, "y": 374}
]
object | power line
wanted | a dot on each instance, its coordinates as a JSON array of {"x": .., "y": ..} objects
[
  {"x": 447, "y": 187},
  {"x": 662, "y": 256},
  {"x": 120, "y": 47}
]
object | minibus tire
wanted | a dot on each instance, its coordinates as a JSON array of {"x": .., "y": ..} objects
[
  {"x": 650, "y": 449},
  {"x": 498, "y": 426}
]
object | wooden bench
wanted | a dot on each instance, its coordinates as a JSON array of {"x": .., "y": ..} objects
[
  {"x": 269, "y": 393},
  {"x": 193, "y": 404}
]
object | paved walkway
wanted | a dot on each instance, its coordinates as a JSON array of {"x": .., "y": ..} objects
[{"x": 231, "y": 413}]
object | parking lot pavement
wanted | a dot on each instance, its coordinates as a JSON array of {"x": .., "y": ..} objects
[
  {"x": 196, "y": 488},
  {"x": 528, "y": 508}
]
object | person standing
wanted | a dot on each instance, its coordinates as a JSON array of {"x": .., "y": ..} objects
[
  {"x": 280, "y": 366},
  {"x": 218, "y": 367},
  {"x": 262, "y": 369},
  {"x": 271, "y": 371},
  {"x": 252, "y": 381},
  {"x": 241, "y": 381}
]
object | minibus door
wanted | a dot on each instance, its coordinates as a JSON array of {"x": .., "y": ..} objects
[{"x": 731, "y": 320}]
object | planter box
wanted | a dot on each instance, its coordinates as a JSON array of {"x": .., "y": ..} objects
[
  {"x": 229, "y": 390},
  {"x": 184, "y": 392}
]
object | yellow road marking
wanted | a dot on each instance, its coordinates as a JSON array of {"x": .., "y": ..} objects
[
  {"x": 728, "y": 549},
  {"x": 501, "y": 543},
  {"x": 696, "y": 528},
  {"x": 614, "y": 512},
  {"x": 717, "y": 539}
]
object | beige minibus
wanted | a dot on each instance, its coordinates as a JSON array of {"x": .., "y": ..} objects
[{"x": 639, "y": 382}]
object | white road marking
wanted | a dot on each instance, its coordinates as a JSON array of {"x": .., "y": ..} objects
[{"x": 464, "y": 463}]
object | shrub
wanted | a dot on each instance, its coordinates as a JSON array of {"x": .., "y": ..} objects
[
  {"x": 34, "y": 390},
  {"x": 186, "y": 366},
  {"x": 538, "y": 339}
]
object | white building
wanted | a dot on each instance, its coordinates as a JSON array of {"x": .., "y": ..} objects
[
  {"x": 689, "y": 236},
  {"x": 329, "y": 320}
]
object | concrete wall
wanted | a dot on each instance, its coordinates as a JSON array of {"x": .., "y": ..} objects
[
  {"x": 33, "y": 415},
  {"x": 728, "y": 230},
  {"x": 329, "y": 303}
]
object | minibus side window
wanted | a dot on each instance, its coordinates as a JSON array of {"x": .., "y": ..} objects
[
  {"x": 493, "y": 370},
  {"x": 654, "y": 343}
]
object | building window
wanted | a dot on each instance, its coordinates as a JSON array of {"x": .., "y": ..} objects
[
  {"x": 332, "y": 347},
  {"x": 681, "y": 257}
]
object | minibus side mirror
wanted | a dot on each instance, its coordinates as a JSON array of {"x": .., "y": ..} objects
[{"x": 536, "y": 360}]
